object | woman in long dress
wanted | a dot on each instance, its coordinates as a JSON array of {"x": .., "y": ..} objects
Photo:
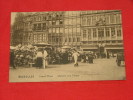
[
  {"x": 45, "y": 54},
  {"x": 39, "y": 61},
  {"x": 75, "y": 56}
]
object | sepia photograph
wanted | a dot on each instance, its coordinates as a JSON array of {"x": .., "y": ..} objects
[{"x": 62, "y": 46}]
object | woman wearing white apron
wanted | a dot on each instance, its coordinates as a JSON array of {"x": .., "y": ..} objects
[
  {"x": 75, "y": 56},
  {"x": 45, "y": 54}
]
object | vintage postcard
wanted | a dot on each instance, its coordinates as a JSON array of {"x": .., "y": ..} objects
[{"x": 66, "y": 46}]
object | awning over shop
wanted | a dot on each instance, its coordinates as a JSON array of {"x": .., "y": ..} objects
[
  {"x": 41, "y": 44},
  {"x": 66, "y": 47},
  {"x": 92, "y": 47},
  {"x": 12, "y": 47}
]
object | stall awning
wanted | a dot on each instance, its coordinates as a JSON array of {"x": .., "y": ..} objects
[
  {"x": 41, "y": 44},
  {"x": 66, "y": 47}
]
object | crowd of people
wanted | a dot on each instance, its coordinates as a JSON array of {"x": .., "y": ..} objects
[
  {"x": 22, "y": 56},
  {"x": 27, "y": 56}
]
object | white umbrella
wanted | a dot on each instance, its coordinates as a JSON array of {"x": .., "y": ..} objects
[{"x": 11, "y": 47}]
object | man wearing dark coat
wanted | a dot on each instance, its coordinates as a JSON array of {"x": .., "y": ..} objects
[{"x": 12, "y": 58}]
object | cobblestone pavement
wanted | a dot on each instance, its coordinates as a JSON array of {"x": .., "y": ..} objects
[{"x": 102, "y": 69}]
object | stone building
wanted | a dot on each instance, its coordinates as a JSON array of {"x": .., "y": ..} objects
[
  {"x": 43, "y": 27},
  {"x": 101, "y": 31},
  {"x": 55, "y": 26},
  {"x": 17, "y": 30},
  {"x": 72, "y": 34}
]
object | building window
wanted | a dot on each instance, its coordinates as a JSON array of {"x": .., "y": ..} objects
[
  {"x": 54, "y": 16},
  {"x": 112, "y": 18},
  {"x": 57, "y": 39},
  {"x": 84, "y": 34},
  {"x": 107, "y": 32},
  {"x": 78, "y": 39},
  {"x": 57, "y": 22},
  {"x": 34, "y": 18},
  {"x": 54, "y": 30},
  {"x": 57, "y": 16},
  {"x": 57, "y": 30},
  {"x": 61, "y": 22},
  {"x": 89, "y": 33},
  {"x": 50, "y": 30},
  {"x": 73, "y": 39},
  {"x": 39, "y": 26},
  {"x": 61, "y": 15},
  {"x": 93, "y": 20},
  {"x": 107, "y": 19},
  {"x": 120, "y": 41},
  {"x": 84, "y": 21},
  {"x": 53, "y": 23},
  {"x": 78, "y": 30},
  {"x": 44, "y": 26},
  {"x": 107, "y": 41},
  {"x": 40, "y": 18},
  {"x": 69, "y": 39},
  {"x": 43, "y": 37},
  {"x": 94, "y": 33},
  {"x": 78, "y": 21},
  {"x": 113, "y": 41},
  {"x": 119, "y": 31},
  {"x": 50, "y": 23},
  {"x": 118, "y": 19},
  {"x": 113, "y": 31},
  {"x": 61, "y": 30},
  {"x": 100, "y": 32},
  {"x": 44, "y": 17},
  {"x": 84, "y": 42},
  {"x": 35, "y": 27},
  {"x": 89, "y": 21}
]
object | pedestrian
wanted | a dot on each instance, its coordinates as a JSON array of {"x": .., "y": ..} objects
[
  {"x": 12, "y": 58},
  {"x": 45, "y": 63},
  {"x": 75, "y": 56},
  {"x": 86, "y": 57},
  {"x": 64, "y": 57},
  {"x": 39, "y": 60},
  {"x": 108, "y": 55},
  {"x": 90, "y": 57}
]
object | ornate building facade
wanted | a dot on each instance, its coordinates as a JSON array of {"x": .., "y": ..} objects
[
  {"x": 45, "y": 27},
  {"x": 87, "y": 30},
  {"x": 101, "y": 30},
  {"x": 72, "y": 32}
]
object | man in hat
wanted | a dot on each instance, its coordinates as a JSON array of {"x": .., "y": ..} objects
[{"x": 45, "y": 54}]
